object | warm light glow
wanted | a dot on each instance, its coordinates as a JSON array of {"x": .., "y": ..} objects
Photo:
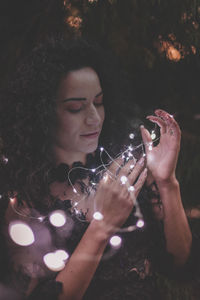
[
  {"x": 194, "y": 49},
  {"x": 153, "y": 135},
  {"x": 98, "y": 216},
  {"x": 5, "y": 160},
  {"x": 12, "y": 200},
  {"x": 123, "y": 179},
  {"x": 57, "y": 218},
  {"x": 115, "y": 241},
  {"x": 105, "y": 178},
  {"x": 140, "y": 223},
  {"x": 62, "y": 254},
  {"x": 21, "y": 233},
  {"x": 131, "y": 136},
  {"x": 55, "y": 261},
  {"x": 150, "y": 147},
  {"x": 173, "y": 53},
  {"x": 131, "y": 188},
  {"x": 74, "y": 22},
  {"x": 173, "y": 49}
]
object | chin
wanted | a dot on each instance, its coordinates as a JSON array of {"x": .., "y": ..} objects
[{"x": 91, "y": 148}]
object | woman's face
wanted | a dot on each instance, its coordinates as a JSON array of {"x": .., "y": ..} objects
[{"x": 80, "y": 112}]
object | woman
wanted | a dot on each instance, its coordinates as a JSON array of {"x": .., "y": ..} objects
[{"x": 61, "y": 105}]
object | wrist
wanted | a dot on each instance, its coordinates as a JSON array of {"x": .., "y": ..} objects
[
  {"x": 170, "y": 183},
  {"x": 102, "y": 231}
]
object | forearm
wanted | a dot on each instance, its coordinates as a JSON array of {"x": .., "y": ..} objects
[
  {"x": 177, "y": 232},
  {"x": 80, "y": 268}
]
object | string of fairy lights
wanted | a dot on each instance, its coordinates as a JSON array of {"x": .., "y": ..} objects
[{"x": 22, "y": 234}]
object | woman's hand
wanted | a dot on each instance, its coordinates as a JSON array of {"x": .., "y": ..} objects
[
  {"x": 115, "y": 200},
  {"x": 162, "y": 159}
]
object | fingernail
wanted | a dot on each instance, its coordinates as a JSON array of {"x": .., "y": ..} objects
[
  {"x": 141, "y": 126},
  {"x": 141, "y": 161},
  {"x": 145, "y": 172}
]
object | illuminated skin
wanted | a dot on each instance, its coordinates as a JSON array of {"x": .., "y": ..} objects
[
  {"x": 162, "y": 160},
  {"x": 161, "y": 164},
  {"x": 113, "y": 200},
  {"x": 80, "y": 116}
]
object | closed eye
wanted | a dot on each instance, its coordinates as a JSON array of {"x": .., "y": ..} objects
[{"x": 74, "y": 108}]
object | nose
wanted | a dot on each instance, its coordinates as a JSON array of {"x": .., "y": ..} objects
[{"x": 93, "y": 117}]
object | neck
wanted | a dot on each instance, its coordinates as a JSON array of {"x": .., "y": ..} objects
[{"x": 61, "y": 156}]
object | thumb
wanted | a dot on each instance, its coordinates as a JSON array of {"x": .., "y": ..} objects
[{"x": 146, "y": 137}]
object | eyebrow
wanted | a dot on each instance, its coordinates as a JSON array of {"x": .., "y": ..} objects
[{"x": 80, "y": 98}]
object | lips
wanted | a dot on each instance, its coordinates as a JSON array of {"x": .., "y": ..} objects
[{"x": 90, "y": 134}]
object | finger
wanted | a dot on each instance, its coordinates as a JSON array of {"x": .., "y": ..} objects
[
  {"x": 127, "y": 168},
  {"x": 140, "y": 182},
  {"x": 136, "y": 171},
  {"x": 160, "y": 122},
  {"x": 146, "y": 137},
  {"x": 116, "y": 164},
  {"x": 173, "y": 127},
  {"x": 162, "y": 114}
]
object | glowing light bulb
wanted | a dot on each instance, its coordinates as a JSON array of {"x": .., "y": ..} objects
[
  {"x": 130, "y": 148},
  {"x": 131, "y": 136},
  {"x": 54, "y": 260},
  {"x": 105, "y": 178},
  {"x": 21, "y": 233},
  {"x": 77, "y": 212},
  {"x": 131, "y": 188},
  {"x": 140, "y": 223},
  {"x": 12, "y": 200},
  {"x": 150, "y": 148},
  {"x": 123, "y": 179},
  {"x": 62, "y": 254},
  {"x": 41, "y": 219},
  {"x": 5, "y": 160},
  {"x": 130, "y": 154},
  {"x": 57, "y": 218},
  {"x": 75, "y": 191},
  {"x": 101, "y": 149},
  {"x": 93, "y": 170},
  {"x": 153, "y": 135},
  {"x": 132, "y": 166},
  {"x": 98, "y": 216},
  {"x": 144, "y": 155},
  {"x": 115, "y": 241}
]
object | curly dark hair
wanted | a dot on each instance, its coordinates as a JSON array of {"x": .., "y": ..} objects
[{"x": 27, "y": 113}]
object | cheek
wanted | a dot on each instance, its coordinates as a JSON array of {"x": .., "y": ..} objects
[
  {"x": 64, "y": 125},
  {"x": 71, "y": 125}
]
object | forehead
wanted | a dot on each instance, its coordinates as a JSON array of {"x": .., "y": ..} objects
[{"x": 79, "y": 82}]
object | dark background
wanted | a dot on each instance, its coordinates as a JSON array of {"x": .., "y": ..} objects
[{"x": 156, "y": 41}]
